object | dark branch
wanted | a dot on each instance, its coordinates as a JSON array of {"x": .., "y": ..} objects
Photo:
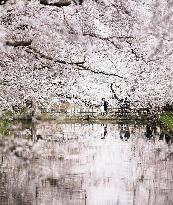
[
  {"x": 59, "y": 3},
  {"x": 72, "y": 31},
  {"x": 82, "y": 67},
  {"x": 18, "y": 43},
  {"x": 109, "y": 39},
  {"x": 113, "y": 91},
  {"x": 36, "y": 52},
  {"x": 134, "y": 52},
  {"x": 79, "y": 65}
]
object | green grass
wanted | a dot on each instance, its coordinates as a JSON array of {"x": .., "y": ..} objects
[
  {"x": 4, "y": 127},
  {"x": 5, "y": 122},
  {"x": 167, "y": 120}
]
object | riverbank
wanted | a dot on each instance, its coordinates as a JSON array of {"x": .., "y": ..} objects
[
  {"x": 164, "y": 120},
  {"x": 8, "y": 119},
  {"x": 92, "y": 118},
  {"x": 78, "y": 117}
]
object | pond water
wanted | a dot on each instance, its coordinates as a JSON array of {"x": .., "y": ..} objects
[{"x": 85, "y": 164}]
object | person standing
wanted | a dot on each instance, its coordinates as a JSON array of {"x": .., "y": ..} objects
[
  {"x": 102, "y": 110},
  {"x": 126, "y": 103},
  {"x": 105, "y": 104}
]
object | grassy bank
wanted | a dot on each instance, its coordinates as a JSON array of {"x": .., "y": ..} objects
[
  {"x": 166, "y": 120},
  {"x": 4, "y": 126},
  {"x": 166, "y": 123}
]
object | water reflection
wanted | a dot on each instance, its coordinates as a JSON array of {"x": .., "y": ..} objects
[
  {"x": 149, "y": 132},
  {"x": 104, "y": 132},
  {"x": 74, "y": 164},
  {"x": 167, "y": 137},
  {"x": 124, "y": 132}
]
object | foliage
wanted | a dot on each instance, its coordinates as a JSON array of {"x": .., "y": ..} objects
[
  {"x": 167, "y": 120},
  {"x": 5, "y": 122},
  {"x": 4, "y": 127},
  {"x": 8, "y": 114}
]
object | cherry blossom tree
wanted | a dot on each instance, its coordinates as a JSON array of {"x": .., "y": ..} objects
[{"x": 87, "y": 50}]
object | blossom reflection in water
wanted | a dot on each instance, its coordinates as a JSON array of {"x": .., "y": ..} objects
[{"x": 93, "y": 164}]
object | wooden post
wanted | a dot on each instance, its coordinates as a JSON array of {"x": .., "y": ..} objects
[{"x": 85, "y": 198}]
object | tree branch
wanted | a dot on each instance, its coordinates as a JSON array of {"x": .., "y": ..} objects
[
  {"x": 113, "y": 91},
  {"x": 42, "y": 55},
  {"x": 109, "y": 39},
  {"x": 59, "y": 3},
  {"x": 79, "y": 65},
  {"x": 82, "y": 67},
  {"x": 18, "y": 43},
  {"x": 133, "y": 51}
]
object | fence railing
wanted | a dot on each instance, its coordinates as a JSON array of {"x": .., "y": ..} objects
[{"x": 94, "y": 111}]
